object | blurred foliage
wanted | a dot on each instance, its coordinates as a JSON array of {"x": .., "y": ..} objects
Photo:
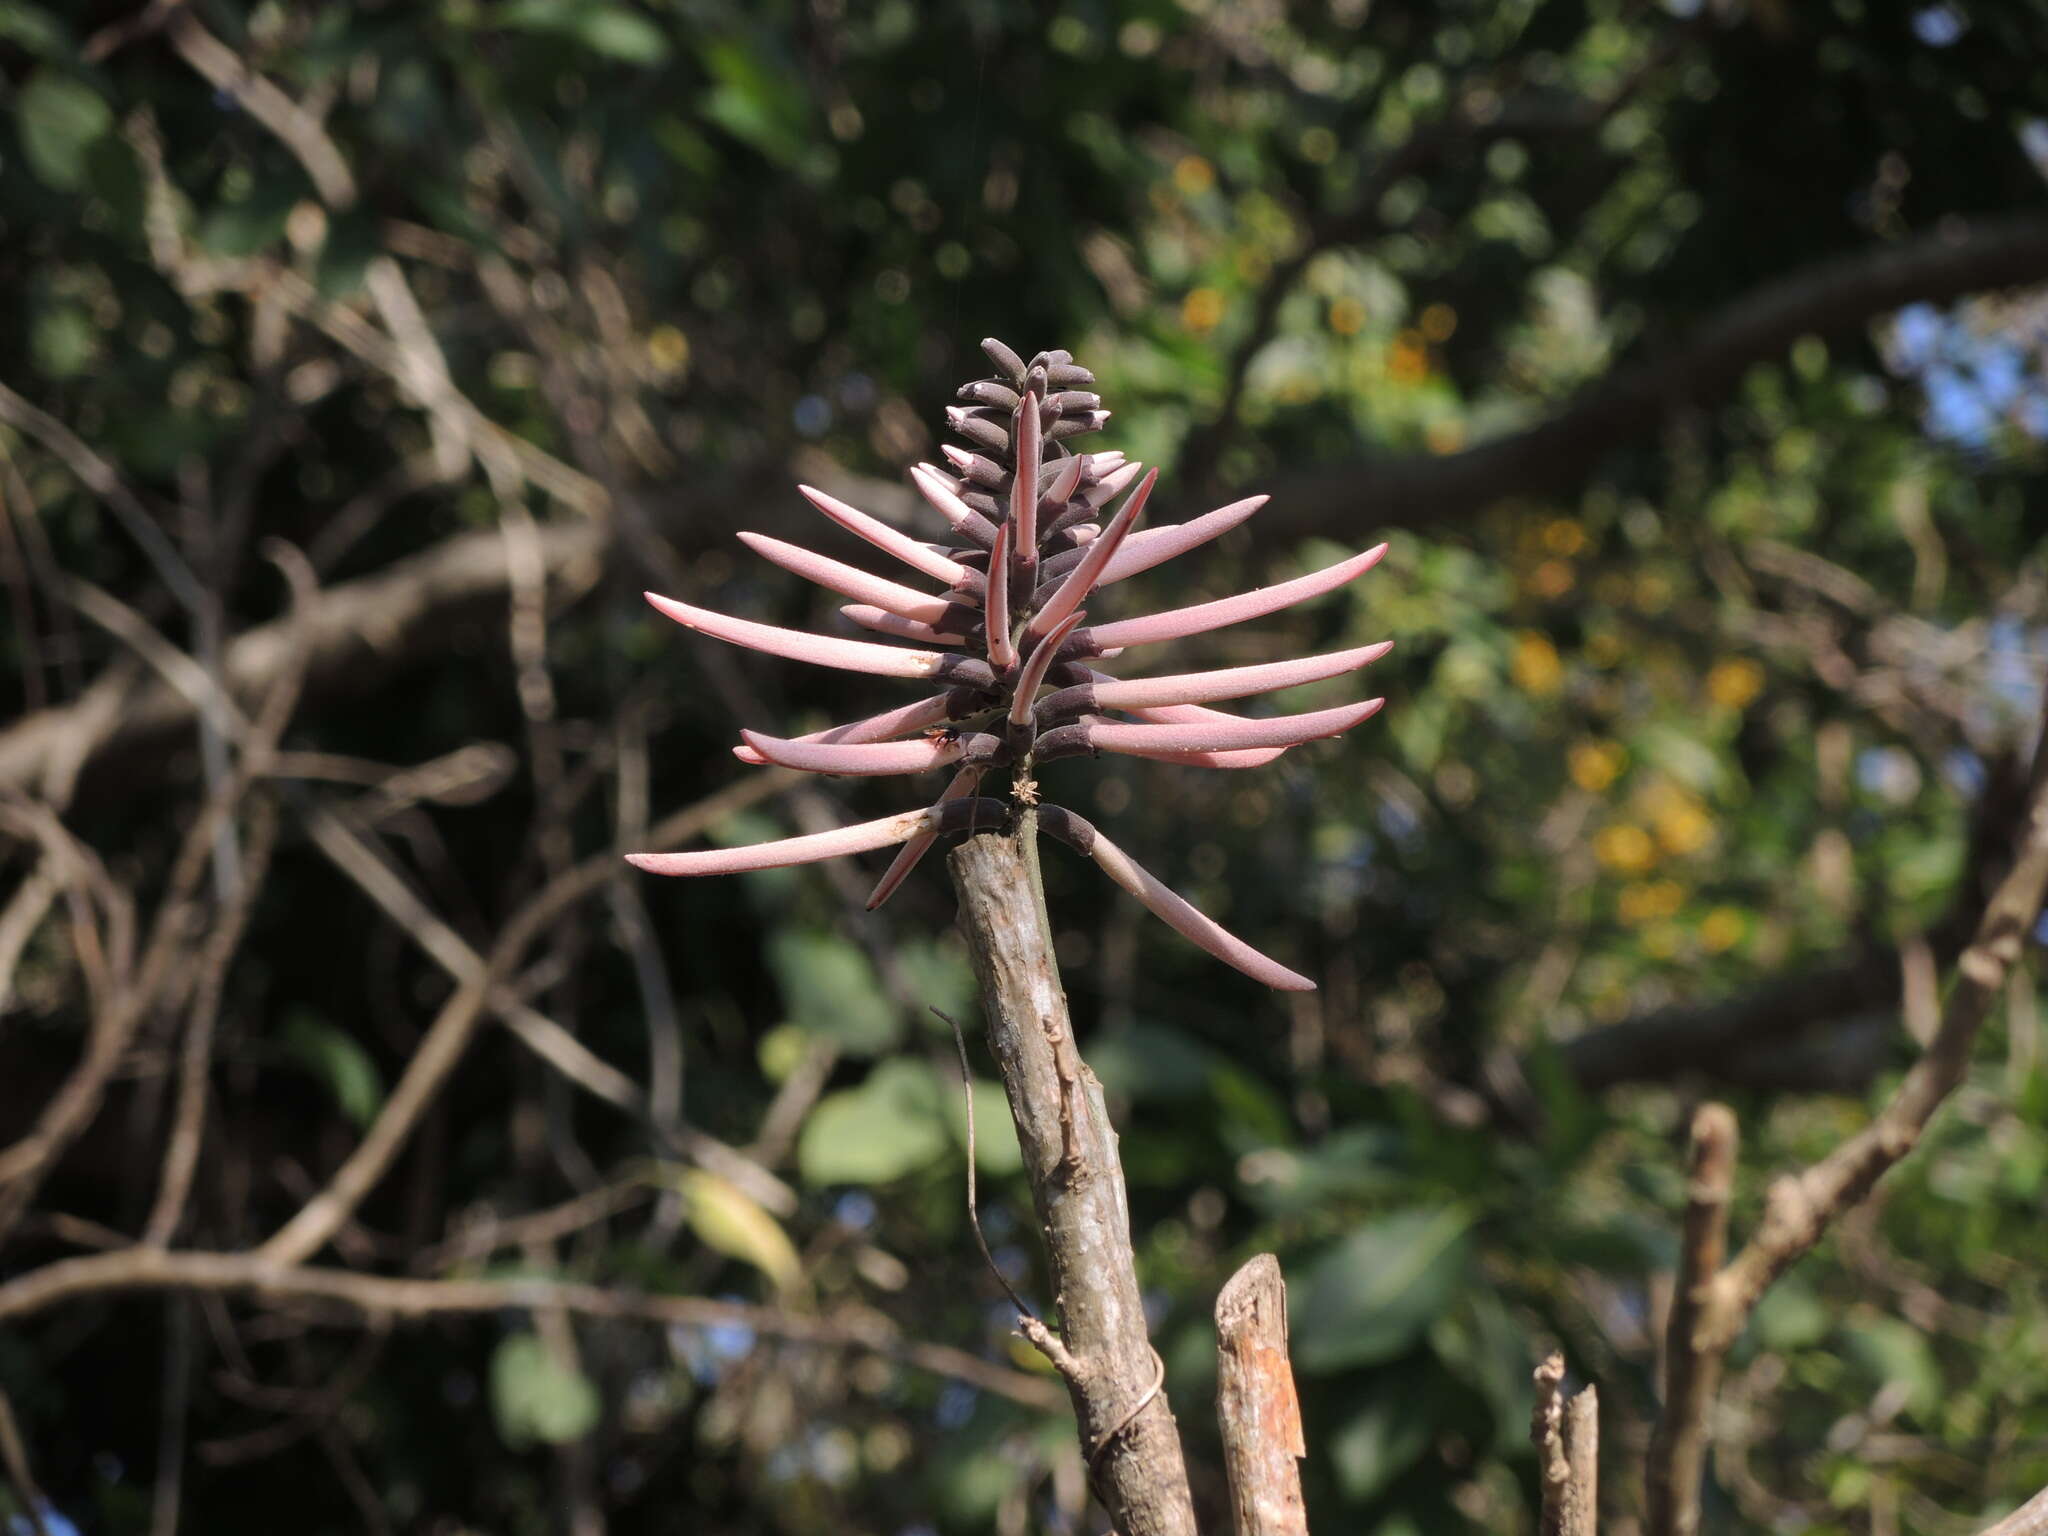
[{"x": 1717, "y": 719}]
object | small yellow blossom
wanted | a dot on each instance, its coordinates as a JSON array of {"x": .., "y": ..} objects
[
  {"x": 1564, "y": 536},
  {"x": 1735, "y": 683},
  {"x": 1408, "y": 360},
  {"x": 1552, "y": 579},
  {"x": 1722, "y": 929},
  {"x": 1596, "y": 764},
  {"x": 1193, "y": 175},
  {"x": 1625, "y": 848},
  {"x": 1646, "y": 901},
  {"x": 1662, "y": 940},
  {"x": 1347, "y": 317},
  {"x": 1536, "y": 667},
  {"x": 1201, "y": 309},
  {"x": 668, "y": 349}
]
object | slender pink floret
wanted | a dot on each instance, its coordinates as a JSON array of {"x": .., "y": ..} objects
[{"x": 1005, "y": 638}]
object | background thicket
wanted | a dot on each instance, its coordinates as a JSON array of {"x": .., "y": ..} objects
[{"x": 1685, "y": 353}]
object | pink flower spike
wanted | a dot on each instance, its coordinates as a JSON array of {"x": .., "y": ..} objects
[
  {"x": 847, "y": 580},
  {"x": 965, "y": 782},
  {"x": 967, "y": 522},
  {"x": 890, "y": 723},
  {"x": 808, "y": 849},
  {"x": 1033, "y": 675},
  {"x": 918, "y": 556},
  {"x": 1081, "y": 580},
  {"x": 1168, "y": 906},
  {"x": 883, "y": 622},
  {"x": 1154, "y": 546},
  {"x": 866, "y": 759},
  {"x": 1228, "y": 733},
  {"x": 1024, "y": 480},
  {"x": 821, "y": 650},
  {"x": 1176, "y": 623},
  {"x": 1002, "y": 651},
  {"x": 1232, "y": 682}
]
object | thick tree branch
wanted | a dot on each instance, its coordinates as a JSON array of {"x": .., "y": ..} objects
[
  {"x": 1556, "y": 456},
  {"x": 1103, "y": 1348},
  {"x": 1256, "y": 1403}
]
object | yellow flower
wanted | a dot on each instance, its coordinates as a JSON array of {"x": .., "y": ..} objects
[
  {"x": 668, "y": 349},
  {"x": 1347, "y": 317},
  {"x": 1596, "y": 764},
  {"x": 1408, "y": 361},
  {"x": 1193, "y": 175},
  {"x": 1662, "y": 940},
  {"x": 1624, "y": 848},
  {"x": 1564, "y": 536},
  {"x": 1722, "y": 929},
  {"x": 1734, "y": 683},
  {"x": 1201, "y": 309},
  {"x": 1536, "y": 667},
  {"x": 1647, "y": 901},
  {"x": 1551, "y": 579}
]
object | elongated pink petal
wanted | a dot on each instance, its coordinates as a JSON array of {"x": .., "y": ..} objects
[
  {"x": 847, "y": 580},
  {"x": 865, "y": 759},
  {"x": 1037, "y": 666},
  {"x": 1082, "y": 578},
  {"x": 965, "y": 782},
  {"x": 886, "y": 832},
  {"x": 1175, "y": 623},
  {"x": 1228, "y": 733},
  {"x": 883, "y": 622},
  {"x": 1002, "y": 651},
  {"x": 1060, "y": 488},
  {"x": 1154, "y": 546},
  {"x": 1251, "y": 757},
  {"x": 906, "y": 721},
  {"x": 1178, "y": 914},
  {"x": 1232, "y": 682},
  {"x": 919, "y": 557},
  {"x": 1024, "y": 481},
  {"x": 967, "y": 522},
  {"x": 821, "y": 650},
  {"x": 1106, "y": 490}
]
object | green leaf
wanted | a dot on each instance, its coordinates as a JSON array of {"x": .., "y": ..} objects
[
  {"x": 59, "y": 119},
  {"x": 616, "y": 31},
  {"x": 33, "y": 28},
  {"x": 729, "y": 1221},
  {"x": 1378, "y": 1444},
  {"x": 996, "y": 1151},
  {"x": 889, "y": 1126},
  {"x": 831, "y": 991},
  {"x": 1370, "y": 1297},
  {"x": 535, "y": 1398},
  {"x": 63, "y": 341},
  {"x": 332, "y": 1055}
]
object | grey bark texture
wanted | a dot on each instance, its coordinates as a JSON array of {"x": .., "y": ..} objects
[{"x": 1102, "y": 1348}]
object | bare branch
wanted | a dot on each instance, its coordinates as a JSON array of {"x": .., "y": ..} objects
[
  {"x": 1692, "y": 1372},
  {"x": 237, "y": 1274},
  {"x": 1103, "y": 1349},
  {"x": 1256, "y": 1403},
  {"x": 1566, "y": 1435}
]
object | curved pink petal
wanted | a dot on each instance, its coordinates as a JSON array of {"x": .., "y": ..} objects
[
  {"x": 1228, "y": 733},
  {"x": 1002, "y": 651},
  {"x": 1154, "y": 546},
  {"x": 886, "y": 832},
  {"x": 883, "y": 622},
  {"x": 967, "y": 522},
  {"x": 1251, "y": 757},
  {"x": 1060, "y": 487},
  {"x": 1175, "y": 623},
  {"x": 919, "y": 557},
  {"x": 906, "y": 721},
  {"x": 1024, "y": 481},
  {"x": 1232, "y": 682},
  {"x": 821, "y": 650},
  {"x": 1111, "y": 485},
  {"x": 1178, "y": 914},
  {"x": 1033, "y": 675},
  {"x": 1082, "y": 578},
  {"x": 965, "y": 782},
  {"x": 866, "y": 759},
  {"x": 847, "y": 580}
]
